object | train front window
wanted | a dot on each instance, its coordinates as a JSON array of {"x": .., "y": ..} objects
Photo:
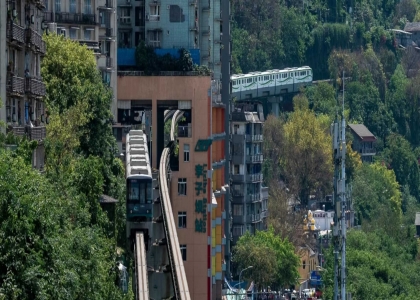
[
  {"x": 133, "y": 190},
  {"x": 139, "y": 191}
]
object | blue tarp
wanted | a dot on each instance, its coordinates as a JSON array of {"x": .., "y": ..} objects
[{"x": 127, "y": 56}]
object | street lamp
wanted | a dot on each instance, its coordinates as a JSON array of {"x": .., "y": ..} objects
[{"x": 250, "y": 267}]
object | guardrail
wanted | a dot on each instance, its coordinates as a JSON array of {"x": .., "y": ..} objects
[
  {"x": 174, "y": 252},
  {"x": 142, "y": 284}
]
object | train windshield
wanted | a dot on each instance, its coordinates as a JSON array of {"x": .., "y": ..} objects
[{"x": 139, "y": 191}]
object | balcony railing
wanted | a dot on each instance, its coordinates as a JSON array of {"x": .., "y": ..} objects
[
  {"x": 37, "y": 133},
  {"x": 254, "y": 158},
  {"x": 251, "y": 198},
  {"x": 15, "y": 33},
  {"x": 154, "y": 44},
  {"x": 254, "y": 137},
  {"x": 254, "y": 218},
  {"x": 35, "y": 39},
  {"x": 237, "y": 193},
  {"x": 16, "y": 85},
  {"x": 34, "y": 86},
  {"x": 254, "y": 177},
  {"x": 184, "y": 131},
  {"x": 152, "y": 17},
  {"x": 71, "y": 18},
  {"x": 238, "y": 177},
  {"x": 367, "y": 151},
  {"x": 264, "y": 192},
  {"x": 17, "y": 130}
]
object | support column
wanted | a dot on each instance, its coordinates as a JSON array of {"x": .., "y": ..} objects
[{"x": 155, "y": 163}]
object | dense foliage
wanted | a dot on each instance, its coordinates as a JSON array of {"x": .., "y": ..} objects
[
  {"x": 382, "y": 91},
  {"x": 272, "y": 258},
  {"x": 56, "y": 240}
]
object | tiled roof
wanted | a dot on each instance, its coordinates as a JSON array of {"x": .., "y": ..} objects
[
  {"x": 362, "y": 131},
  {"x": 412, "y": 27}
]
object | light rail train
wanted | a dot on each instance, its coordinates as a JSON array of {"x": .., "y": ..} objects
[{"x": 270, "y": 82}]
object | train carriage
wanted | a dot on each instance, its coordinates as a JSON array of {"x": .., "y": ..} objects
[
  {"x": 138, "y": 178},
  {"x": 270, "y": 82}
]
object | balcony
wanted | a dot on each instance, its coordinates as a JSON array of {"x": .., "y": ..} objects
[
  {"x": 264, "y": 214},
  {"x": 254, "y": 137},
  {"x": 238, "y": 220},
  {"x": 252, "y": 198},
  {"x": 37, "y": 133},
  {"x": 34, "y": 39},
  {"x": 34, "y": 87},
  {"x": 153, "y": 18},
  {"x": 109, "y": 34},
  {"x": 184, "y": 131},
  {"x": 367, "y": 151},
  {"x": 17, "y": 130},
  {"x": 254, "y": 218},
  {"x": 154, "y": 44},
  {"x": 70, "y": 18},
  {"x": 105, "y": 63},
  {"x": 264, "y": 192},
  {"x": 257, "y": 158},
  {"x": 15, "y": 33},
  {"x": 254, "y": 177},
  {"x": 238, "y": 177},
  {"x": 236, "y": 193},
  {"x": 16, "y": 85},
  {"x": 109, "y": 5}
]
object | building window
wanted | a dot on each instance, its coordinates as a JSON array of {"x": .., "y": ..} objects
[
  {"x": 183, "y": 252},
  {"x": 186, "y": 152},
  {"x": 304, "y": 264},
  {"x": 88, "y": 6},
  {"x": 182, "y": 219},
  {"x": 124, "y": 40},
  {"x": 87, "y": 34},
  {"x": 73, "y": 6},
  {"x": 237, "y": 230},
  {"x": 73, "y": 33},
  {"x": 125, "y": 15},
  {"x": 182, "y": 186},
  {"x": 155, "y": 10},
  {"x": 46, "y": 4},
  {"x": 238, "y": 210},
  {"x": 57, "y": 6}
]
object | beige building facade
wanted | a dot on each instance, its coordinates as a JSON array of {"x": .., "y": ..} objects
[{"x": 197, "y": 187}]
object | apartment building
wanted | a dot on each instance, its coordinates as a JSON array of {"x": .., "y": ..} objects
[
  {"x": 169, "y": 25},
  {"x": 21, "y": 87},
  {"x": 249, "y": 196},
  {"x": 92, "y": 23}
]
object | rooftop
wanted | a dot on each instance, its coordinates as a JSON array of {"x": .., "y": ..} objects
[
  {"x": 417, "y": 221},
  {"x": 107, "y": 199},
  {"x": 362, "y": 132},
  {"x": 412, "y": 27}
]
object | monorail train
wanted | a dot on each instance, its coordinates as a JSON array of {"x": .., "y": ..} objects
[
  {"x": 139, "y": 178},
  {"x": 271, "y": 82}
]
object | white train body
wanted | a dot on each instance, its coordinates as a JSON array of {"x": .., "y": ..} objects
[{"x": 271, "y": 82}]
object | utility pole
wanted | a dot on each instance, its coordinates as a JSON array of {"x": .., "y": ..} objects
[{"x": 338, "y": 131}]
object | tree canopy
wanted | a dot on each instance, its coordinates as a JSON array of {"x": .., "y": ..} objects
[{"x": 272, "y": 259}]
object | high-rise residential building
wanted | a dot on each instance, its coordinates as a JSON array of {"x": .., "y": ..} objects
[
  {"x": 249, "y": 196},
  {"x": 92, "y": 23},
  {"x": 169, "y": 25},
  {"x": 21, "y": 87}
]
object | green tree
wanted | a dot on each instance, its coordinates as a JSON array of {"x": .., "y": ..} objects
[
  {"x": 400, "y": 157},
  {"x": 276, "y": 262},
  {"x": 47, "y": 250},
  {"x": 307, "y": 161},
  {"x": 376, "y": 187}
]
